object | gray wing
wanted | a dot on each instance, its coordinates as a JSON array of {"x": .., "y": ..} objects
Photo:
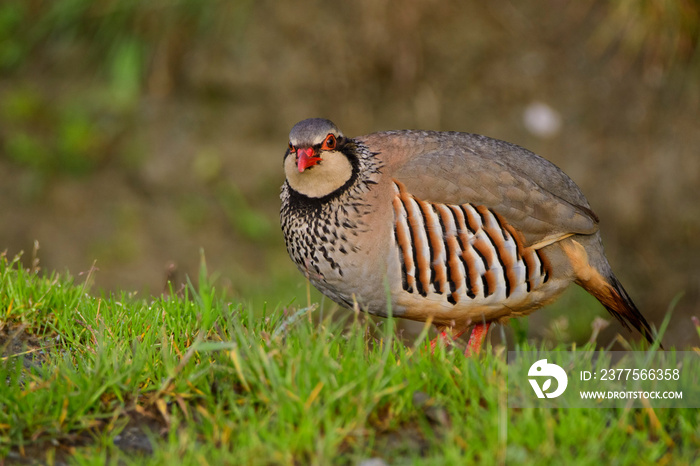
[{"x": 529, "y": 192}]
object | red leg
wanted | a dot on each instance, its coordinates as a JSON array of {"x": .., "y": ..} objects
[
  {"x": 445, "y": 336},
  {"x": 476, "y": 339}
]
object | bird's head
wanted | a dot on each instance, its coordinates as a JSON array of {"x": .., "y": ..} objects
[
  {"x": 317, "y": 162},
  {"x": 311, "y": 140}
]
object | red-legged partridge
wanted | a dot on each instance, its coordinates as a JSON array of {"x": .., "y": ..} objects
[{"x": 456, "y": 228}]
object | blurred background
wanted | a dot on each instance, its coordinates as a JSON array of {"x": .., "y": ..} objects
[{"x": 133, "y": 133}]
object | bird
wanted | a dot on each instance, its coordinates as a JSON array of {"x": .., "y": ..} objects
[{"x": 452, "y": 228}]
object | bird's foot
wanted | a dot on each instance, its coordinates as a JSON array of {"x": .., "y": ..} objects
[
  {"x": 447, "y": 335},
  {"x": 476, "y": 339}
]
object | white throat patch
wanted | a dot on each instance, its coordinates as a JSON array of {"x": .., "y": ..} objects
[{"x": 331, "y": 173}]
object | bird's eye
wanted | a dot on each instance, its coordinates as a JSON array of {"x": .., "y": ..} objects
[
  {"x": 291, "y": 147},
  {"x": 329, "y": 143}
]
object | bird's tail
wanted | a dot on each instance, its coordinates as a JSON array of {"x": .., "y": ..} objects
[
  {"x": 607, "y": 289},
  {"x": 619, "y": 304}
]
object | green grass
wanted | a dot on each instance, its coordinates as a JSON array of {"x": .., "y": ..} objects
[{"x": 194, "y": 379}]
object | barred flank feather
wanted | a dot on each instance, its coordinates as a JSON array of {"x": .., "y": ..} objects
[{"x": 462, "y": 252}]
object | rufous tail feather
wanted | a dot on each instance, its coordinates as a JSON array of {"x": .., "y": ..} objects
[{"x": 607, "y": 289}]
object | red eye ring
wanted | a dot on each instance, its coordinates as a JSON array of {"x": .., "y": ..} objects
[{"x": 329, "y": 143}]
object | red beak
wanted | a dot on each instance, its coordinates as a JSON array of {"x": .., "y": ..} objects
[{"x": 306, "y": 158}]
